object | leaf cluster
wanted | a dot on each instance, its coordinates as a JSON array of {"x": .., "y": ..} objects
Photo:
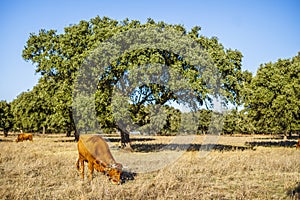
[
  {"x": 272, "y": 97},
  {"x": 59, "y": 57}
]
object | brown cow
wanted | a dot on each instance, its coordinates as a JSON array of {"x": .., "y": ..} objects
[
  {"x": 94, "y": 150},
  {"x": 24, "y": 136},
  {"x": 298, "y": 144}
]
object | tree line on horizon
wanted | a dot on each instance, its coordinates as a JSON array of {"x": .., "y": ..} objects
[{"x": 265, "y": 103}]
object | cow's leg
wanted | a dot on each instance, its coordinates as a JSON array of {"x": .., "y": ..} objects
[
  {"x": 91, "y": 169},
  {"x": 77, "y": 164},
  {"x": 82, "y": 169},
  {"x": 80, "y": 166}
]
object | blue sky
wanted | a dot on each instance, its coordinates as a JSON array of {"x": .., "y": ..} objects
[{"x": 263, "y": 30}]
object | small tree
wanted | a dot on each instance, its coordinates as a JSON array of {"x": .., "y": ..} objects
[
  {"x": 230, "y": 122},
  {"x": 6, "y": 117},
  {"x": 272, "y": 97}
]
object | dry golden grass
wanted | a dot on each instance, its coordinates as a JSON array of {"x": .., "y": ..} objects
[{"x": 45, "y": 169}]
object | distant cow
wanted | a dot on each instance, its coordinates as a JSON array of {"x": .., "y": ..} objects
[
  {"x": 94, "y": 150},
  {"x": 24, "y": 136},
  {"x": 298, "y": 144}
]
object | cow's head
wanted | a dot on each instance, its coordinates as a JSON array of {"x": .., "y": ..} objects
[{"x": 114, "y": 172}]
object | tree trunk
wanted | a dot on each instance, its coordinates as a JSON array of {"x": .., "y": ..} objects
[
  {"x": 290, "y": 134},
  {"x": 5, "y": 132},
  {"x": 125, "y": 140},
  {"x": 68, "y": 133},
  {"x": 44, "y": 130},
  {"x": 72, "y": 126},
  {"x": 76, "y": 135}
]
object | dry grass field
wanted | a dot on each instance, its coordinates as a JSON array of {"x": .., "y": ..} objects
[{"x": 236, "y": 168}]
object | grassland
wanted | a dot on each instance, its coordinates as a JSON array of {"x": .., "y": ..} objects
[{"x": 232, "y": 169}]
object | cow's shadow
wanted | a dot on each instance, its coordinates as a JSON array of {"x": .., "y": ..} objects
[
  {"x": 127, "y": 176},
  {"x": 294, "y": 193},
  {"x": 186, "y": 147},
  {"x": 7, "y": 140}
]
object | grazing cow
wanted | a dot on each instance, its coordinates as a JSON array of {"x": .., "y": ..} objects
[
  {"x": 298, "y": 144},
  {"x": 94, "y": 150},
  {"x": 24, "y": 136}
]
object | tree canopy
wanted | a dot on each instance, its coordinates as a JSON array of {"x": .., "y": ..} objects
[
  {"x": 58, "y": 57},
  {"x": 272, "y": 98},
  {"x": 138, "y": 70},
  {"x": 6, "y": 117}
]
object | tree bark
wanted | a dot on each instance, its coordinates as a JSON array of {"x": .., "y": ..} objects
[
  {"x": 5, "y": 132},
  {"x": 125, "y": 140},
  {"x": 76, "y": 135},
  {"x": 290, "y": 134},
  {"x": 68, "y": 133},
  {"x": 72, "y": 126}
]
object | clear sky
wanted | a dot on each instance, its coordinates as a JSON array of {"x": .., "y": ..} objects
[{"x": 263, "y": 30}]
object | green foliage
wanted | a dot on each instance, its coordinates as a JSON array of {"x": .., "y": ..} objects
[
  {"x": 244, "y": 124},
  {"x": 155, "y": 119},
  {"x": 230, "y": 122},
  {"x": 173, "y": 121},
  {"x": 6, "y": 117},
  {"x": 30, "y": 111},
  {"x": 237, "y": 122},
  {"x": 58, "y": 57},
  {"x": 204, "y": 121},
  {"x": 189, "y": 123},
  {"x": 272, "y": 98}
]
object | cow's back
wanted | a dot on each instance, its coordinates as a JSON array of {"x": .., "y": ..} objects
[
  {"x": 29, "y": 136},
  {"x": 94, "y": 147}
]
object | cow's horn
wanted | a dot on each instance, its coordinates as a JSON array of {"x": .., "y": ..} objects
[{"x": 114, "y": 165}]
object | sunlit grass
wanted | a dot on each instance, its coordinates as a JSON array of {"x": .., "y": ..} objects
[{"x": 45, "y": 169}]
